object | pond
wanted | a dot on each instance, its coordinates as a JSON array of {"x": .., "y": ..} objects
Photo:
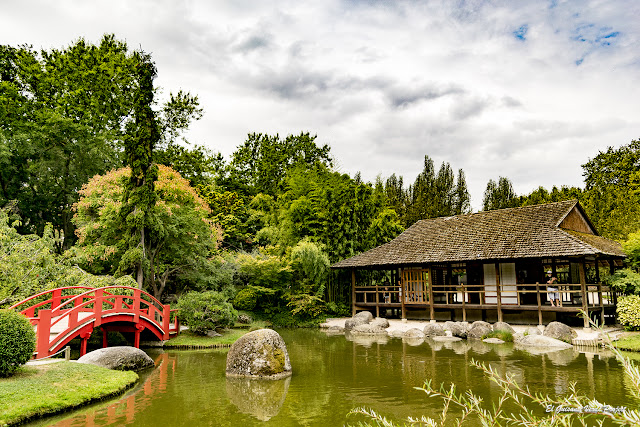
[{"x": 334, "y": 374}]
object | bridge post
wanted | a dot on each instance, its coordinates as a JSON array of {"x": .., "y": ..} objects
[
  {"x": 56, "y": 298},
  {"x": 136, "y": 339},
  {"x": 83, "y": 345},
  {"x": 166, "y": 318},
  {"x": 97, "y": 308},
  {"x": 44, "y": 332}
]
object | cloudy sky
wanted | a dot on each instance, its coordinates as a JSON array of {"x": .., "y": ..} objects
[{"x": 529, "y": 90}]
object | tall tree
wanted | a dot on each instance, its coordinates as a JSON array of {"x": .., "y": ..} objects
[
  {"x": 462, "y": 201},
  {"x": 140, "y": 197},
  {"x": 499, "y": 195},
  {"x": 262, "y": 161}
]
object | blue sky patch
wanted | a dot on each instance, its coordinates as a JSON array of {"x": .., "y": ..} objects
[{"x": 521, "y": 33}]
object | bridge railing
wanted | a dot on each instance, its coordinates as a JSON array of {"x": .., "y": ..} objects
[{"x": 78, "y": 314}]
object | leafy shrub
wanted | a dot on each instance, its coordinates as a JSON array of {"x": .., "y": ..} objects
[
  {"x": 338, "y": 309},
  {"x": 626, "y": 281},
  {"x": 17, "y": 341},
  {"x": 246, "y": 299},
  {"x": 306, "y": 305},
  {"x": 206, "y": 311},
  {"x": 629, "y": 312}
]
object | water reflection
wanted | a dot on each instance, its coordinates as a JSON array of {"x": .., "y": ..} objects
[
  {"x": 262, "y": 399},
  {"x": 367, "y": 340}
]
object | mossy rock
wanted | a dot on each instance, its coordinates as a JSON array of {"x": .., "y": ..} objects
[{"x": 259, "y": 354}]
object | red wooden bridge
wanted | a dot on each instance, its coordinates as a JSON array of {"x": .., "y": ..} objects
[{"x": 62, "y": 314}]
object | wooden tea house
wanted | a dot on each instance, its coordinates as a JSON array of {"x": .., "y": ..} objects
[{"x": 490, "y": 265}]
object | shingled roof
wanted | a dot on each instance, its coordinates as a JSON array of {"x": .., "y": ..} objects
[{"x": 558, "y": 229}]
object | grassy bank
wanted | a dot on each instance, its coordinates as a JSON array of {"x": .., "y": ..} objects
[
  {"x": 35, "y": 391},
  {"x": 188, "y": 339},
  {"x": 629, "y": 342}
]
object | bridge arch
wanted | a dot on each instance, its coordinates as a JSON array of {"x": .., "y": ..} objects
[{"x": 62, "y": 314}]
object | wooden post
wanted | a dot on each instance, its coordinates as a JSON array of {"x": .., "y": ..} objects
[
  {"x": 583, "y": 287},
  {"x": 464, "y": 311},
  {"x": 97, "y": 307},
  {"x": 85, "y": 338},
  {"x": 166, "y": 319},
  {"x": 539, "y": 304},
  {"x": 499, "y": 297},
  {"x": 353, "y": 292},
  {"x": 432, "y": 314},
  {"x": 601, "y": 303},
  {"x": 403, "y": 296},
  {"x": 377, "y": 301},
  {"x": 136, "y": 337}
]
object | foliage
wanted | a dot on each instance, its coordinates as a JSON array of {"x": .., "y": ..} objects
[
  {"x": 310, "y": 265},
  {"x": 612, "y": 197},
  {"x": 264, "y": 270},
  {"x": 65, "y": 115},
  {"x": 204, "y": 311},
  {"x": 631, "y": 247},
  {"x": 229, "y": 210},
  {"x": 499, "y": 195},
  {"x": 626, "y": 281},
  {"x": 628, "y": 311},
  {"x": 178, "y": 245},
  {"x": 305, "y": 305},
  {"x": 60, "y": 386},
  {"x": 541, "y": 195},
  {"x": 469, "y": 408},
  {"x": 246, "y": 299},
  {"x": 262, "y": 161},
  {"x": 29, "y": 265},
  {"x": 17, "y": 341}
]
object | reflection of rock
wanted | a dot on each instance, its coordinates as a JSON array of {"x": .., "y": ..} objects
[
  {"x": 259, "y": 354},
  {"x": 562, "y": 357},
  {"x": 458, "y": 347},
  {"x": 334, "y": 330},
  {"x": 446, "y": 339},
  {"x": 479, "y": 347},
  {"x": 118, "y": 358},
  {"x": 413, "y": 341},
  {"x": 259, "y": 398},
  {"x": 370, "y": 329},
  {"x": 367, "y": 340},
  {"x": 503, "y": 350},
  {"x": 493, "y": 341},
  {"x": 539, "y": 344},
  {"x": 560, "y": 331}
]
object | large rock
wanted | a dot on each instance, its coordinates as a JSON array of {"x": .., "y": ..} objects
[
  {"x": 533, "y": 331},
  {"x": 413, "y": 333},
  {"x": 364, "y": 315},
  {"x": 504, "y": 327},
  {"x": 560, "y": 331},
  {"x": 457, "y": 329},
  {"x": 259, "y": 354},
  {"x": 541, "y": 341},
  {"x": 479, "y": 329},
  {"x": 380, "y": 322},
  {"x": 433, "y": 330},
  {"x": 118, "y": 358}
]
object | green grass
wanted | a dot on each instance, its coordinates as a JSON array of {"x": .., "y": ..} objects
[
  {"x": 35, "y": 391},
  {"x": 629, "y": 343},
  {"x": 503, "y": 335},
  {"x": 189, "y": 339}
]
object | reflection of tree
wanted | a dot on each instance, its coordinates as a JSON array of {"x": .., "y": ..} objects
[{"x": 259, "y": 398}]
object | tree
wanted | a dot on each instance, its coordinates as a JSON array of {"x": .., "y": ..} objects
[
  {"x": 139, "y": 196},
  {"x": 179, "y": 241},
  {"x": 462, "y": 201},
  {"x": 499, "y": 196},
  {"x": 64, "y": 117},
  {"x": 262, "y": 161},
  {"x": 611, "y": 196}
]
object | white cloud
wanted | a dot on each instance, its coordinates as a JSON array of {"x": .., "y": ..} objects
[{"x": 525, "y": 90}]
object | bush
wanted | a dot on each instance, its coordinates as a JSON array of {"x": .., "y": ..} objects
[
  {"x": 505, "y": 336},
  {"x": 17, "y": 341},
  {"x": 206, "y": 311},
  {"x": 629, "y": 312},
  {"x": 246, "y": 299}
]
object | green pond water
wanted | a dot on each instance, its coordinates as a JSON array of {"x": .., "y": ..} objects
[{"x": 333, "y": 374}]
